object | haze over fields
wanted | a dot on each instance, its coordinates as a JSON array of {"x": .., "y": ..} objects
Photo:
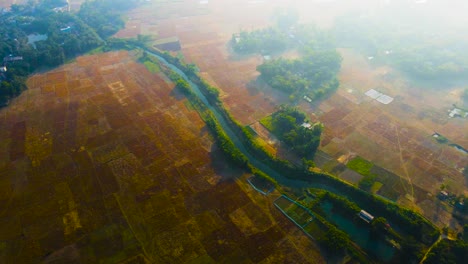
[{"x": 234, "y": 131}]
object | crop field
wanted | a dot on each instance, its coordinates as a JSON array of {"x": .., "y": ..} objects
[
  {"x": 102, "y": 161},
  {"x": 396, "y": 136},
  {"x": 204, "y": 31},
  {"x": 8, "y": 3},
  {"x": 300, "y": 215}
]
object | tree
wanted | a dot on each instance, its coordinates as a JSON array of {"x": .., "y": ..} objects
[
  {"x": 284, "y": 123},
  {"x": 335, "y": 240},
  {"x": 379, "y": 225}
]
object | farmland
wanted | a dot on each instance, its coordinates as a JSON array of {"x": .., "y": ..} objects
[
  {"x": 396, "y": 137},
  {"x": 103, "y": 161},
  {"x": 126, "y": 171}
]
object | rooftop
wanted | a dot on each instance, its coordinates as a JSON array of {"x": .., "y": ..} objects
[{"x": 366, "y": 216}]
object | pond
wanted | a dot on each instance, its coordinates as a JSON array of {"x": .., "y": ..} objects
[{"x": 359, "y": 233}]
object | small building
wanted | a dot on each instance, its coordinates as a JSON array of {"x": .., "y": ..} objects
[
  {"x": 366, "y": 216},
  {"x": 11, "y": 58},
  {"x": 3, "y": 69},
  {"x": 306, "y": 125},
  {"x": 443, "y": 195},
  {"x": 65, "y": 29},
  {"x": 455, "y": 113}
]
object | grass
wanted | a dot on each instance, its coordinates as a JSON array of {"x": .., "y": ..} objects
[
  {"x": 152, "y": 67},
  {"x": 360, "y": 166},
  {"x": 95, "y": 51},
  {"x": 265, "y": 145},
  {"x": 266, "y": 122},
  {"x": 316, "y": 229},
  {"x": 329, "y": 166},
  {"x": 376, "y": 187}
]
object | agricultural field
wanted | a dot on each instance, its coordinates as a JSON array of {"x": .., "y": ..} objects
[
  {"x": 395, "y": 137},
  {"x": 8, "y": 3},
  {"x": 204, "y": 29},
  {"x": 102, "y": 160}
]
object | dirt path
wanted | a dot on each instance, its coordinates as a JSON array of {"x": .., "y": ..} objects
[
  {"x": 403, "y": 165},
  {"x": 430, "y": 248}
]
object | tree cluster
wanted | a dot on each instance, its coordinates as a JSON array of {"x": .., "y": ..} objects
[
  {"x": 287, "y": 125},
  {"x": 313, "y": 75},
  {"x": 269, "y": 40},
  {"x": 105, "y": 16},
  {"x": 448, "y": 252},
  {"x": 335, "y": 240}
]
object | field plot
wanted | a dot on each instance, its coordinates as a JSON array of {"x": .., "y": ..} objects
[
  {"x": 8, "y": 3},
  {"x": 116, "y": 168},
  {"x": 297, "y": 213},
  {"x": 205, "y": 28},
  {"x": 394, "y": 136},
  {"x": 261, "y": 185}
]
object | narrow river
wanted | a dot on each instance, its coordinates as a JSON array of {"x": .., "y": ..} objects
[
  {"x": 381, "y": 249},
  {"x": 377, "y": 246},
  {"x": 235, "y": 139}
]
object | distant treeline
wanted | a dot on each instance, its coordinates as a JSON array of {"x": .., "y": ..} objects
[
  {"x": 421, "y": 47},
  {"x": 66, "y": 36},
  {"x": 313, "y": 74},
  {"x": 277, "y": 39}
]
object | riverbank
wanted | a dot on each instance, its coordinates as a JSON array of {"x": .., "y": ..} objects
[{"x": 286, "y": 174}]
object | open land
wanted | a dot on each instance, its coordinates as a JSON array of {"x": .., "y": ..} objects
[
  {"x": 396, "y": 136},
  {"x": 102, "y": 161},
  {"x": 8, "y": 3}
]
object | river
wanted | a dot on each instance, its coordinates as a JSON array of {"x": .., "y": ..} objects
[
  {"x": 383, "y": 252},
  {"x": 235, "y": 139}
]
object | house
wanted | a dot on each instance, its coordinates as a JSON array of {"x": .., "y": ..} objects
[
  {"x": 3, "y": 69},
  {"x": 366, "y": 216},
  {"x": 65, "y": 29},
  {"x": 443, "y": 195},
  {"x": 306, "y": 125},
  {"x": 11, "y": 58},
  {"x": 455, "y": 113}
]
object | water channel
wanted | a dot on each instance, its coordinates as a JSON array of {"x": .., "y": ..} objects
[
  {"x": 359, "y": 232},
  {"x": 237, "y": 142}
]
